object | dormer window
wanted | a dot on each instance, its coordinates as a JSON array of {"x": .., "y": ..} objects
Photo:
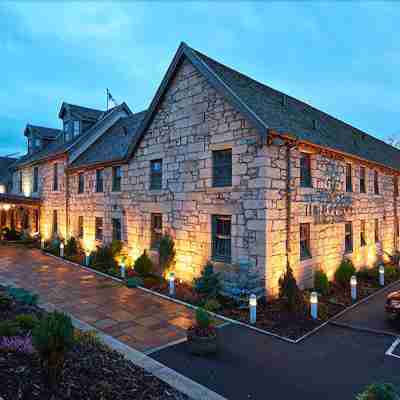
[
  {"x": 76, "y": 128},
  {"x": 30, "y": 148},
  {"x": 38, "y": 143}
]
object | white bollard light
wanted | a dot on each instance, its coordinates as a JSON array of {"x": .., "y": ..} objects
[
  {"x": 61, "y": 249},
  {"x": 382, "y": 275},
  {"x": 314, "y": 305},
  {"x": 171, "y": 282},
  {"x": 87, "y": 258},
  {"x": 353, "y": 285},
  {"x": 123, "y": 270},
  {"x": 253, "y": 308},
  {"x": 42, "y": 243}
]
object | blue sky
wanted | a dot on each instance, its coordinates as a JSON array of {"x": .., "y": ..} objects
[{"x": 341, "y": 57}]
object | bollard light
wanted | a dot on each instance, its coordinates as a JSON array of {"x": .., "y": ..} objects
[
  {"x": 61, "y": 249},
  {"x": 87, "y": 258},
  {"x": 253, "y": 308},
  {"x": 382, "y": 275},
  {"x": 353, "y": 285},
  {"x": 123, "y": 269},
  {"x": 42, "y": 243},
  {"x": 171, "y": 282},
  {"x": 314, "y": 305}
]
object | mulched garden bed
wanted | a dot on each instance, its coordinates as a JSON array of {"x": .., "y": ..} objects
[{"x": 92, "y": 371}]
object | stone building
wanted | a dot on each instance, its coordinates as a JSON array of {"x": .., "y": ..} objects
[{"x": 237, "y": 172}]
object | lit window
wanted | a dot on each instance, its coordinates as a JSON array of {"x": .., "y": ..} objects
[
  {"x": 363, "y": 241},
  {"x": 221, "y": 238},
  {"x": 156, "y": 230},
  {"x": 81, "y": 183},
  {"x": 116, "y": 179},
  {"x": 305, "y": 170},
  {"x": 116, "y": 229},
  {"x": 349, "y": 179},
  {"x": 362, "y": 180},
  {"x": 376, "y": 182},
  {"x": 376, "y": 230},
  {"x": 99, "y": 228},
  {"x": 80, "y": 227},
  {"x": 222, "y": 168},
  {"x": 348, "y": 237},
  {"x": 55, "y": 177},
  {"x": 99, "y": 180},
  {"x": 305, "y": 248},
  {"x": 156, "y": 174}
]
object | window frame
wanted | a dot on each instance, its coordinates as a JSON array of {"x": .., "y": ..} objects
[
  {"x": 76, "y": 132},
  {"x": 81, "y": 227},
  {"x": 156, "y": 177},
  {"x": 55, "y": 177},
  {"x": 376, "y": 182},
  {"x": 305, "y": 170},
  {"x": 349, "y": 178},
  {"x": 116, "y": 178},
  {"x": 363, "y": 179},
  {"x": 221, "y": 240},
  {"x": 222, "y": 168},
  {"x": 305, "y": 242},
  {"x": 348, "y": 243},
  {"x": 99, "y": 182},
  {"x": 81, "y": 182},
  {"x": 116, "y": 233},
  {"x": 98, "y": 228},
  {"x": 156, "y": 230}
]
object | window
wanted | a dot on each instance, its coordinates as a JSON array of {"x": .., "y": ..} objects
[
  {"x": 155, "y": 174},
  {"x": 30, "y": 147},
  {"x": 348, "y": 237},
  {"x": 222, "y": 168},
  {"x": 305, "y": 248},
  {"x": 99, "y": 228},
  {"x": 80, "y": 227},
  {"x": 81, "y": 183},
  {"x": 376, "y": 182},
  {"x": 156, "y": 230},
  {"x": 35, "y": 180},
  {"x": 396, "y": 186},
  {"x": 55, "y": 177},
  {"x": 305, "y": 170},
  {"x": 20, "y": 181},
  {"x": 99, "y": 180},
  {"x": 55, "y": 222},
  {"x": 349, "y": 179},
  {"x": 116, "y": 179},
  {"x": 37, "y": 143},
  {"x": 362, "y": 180},
  {"x": 76, "y": 128},
  {"x": 396, "y": 227},
  {"x": 376, "y": 230},
  {"x": 221, "y": 238},
  {"x": 67, "y": 136},
  {"x": 363, "y": 241},
  {"x": 116, "y": 229}
]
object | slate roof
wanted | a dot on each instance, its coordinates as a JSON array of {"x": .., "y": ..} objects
[
  {"x": 80, "y": 112},
  {"x": 267, "y": 108},
  {"x": 5, "y": 163},
  {"x": 113, "y": 144},
  {"x": 43, "y": 132}
]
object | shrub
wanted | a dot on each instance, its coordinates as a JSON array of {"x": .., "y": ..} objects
[
  {"x": 290, "y": 292},
  {"x": 143, "y": 265},
  {"x": 103, "y": 259},
  {"x": 208, "y": 283},
  {"x": 86, "y": 338},
  {"x": 24, "y": 296},
  {"x": 52, "y": 338},
  {"x": 5, "y": 302},
  {"x": 166, "y": 252},
  {"x": 116, "y": 247},
  {"x": 17, "y": 344},
  {"x": 344, "y": 272},
  {"x": 8, "y": 328},
  {"x": 368, "y": 274},
  {"x": 203, "y": 319},
  {"x": 152, "y": 281},
  {"x": 391, "y": 272},
  {"x": 134, "y": 282},
  {"x": 378, "y": 391},
  {"x": 212, "y": 305},
  {"x": 26, "y": 321},
  {"x": 321, "y": 283},
  {"x": 71, "y": 247},
  {"x": 12, "y": 234}
]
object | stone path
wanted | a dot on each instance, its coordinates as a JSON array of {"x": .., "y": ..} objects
[{"x": 139, "y": 319}]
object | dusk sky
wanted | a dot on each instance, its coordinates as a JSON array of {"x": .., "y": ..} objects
[{"x": 341, "y": 57}]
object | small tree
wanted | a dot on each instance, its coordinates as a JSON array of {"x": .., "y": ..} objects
[
  {"x": 208, "y": 283},
  {"x": 143, "y": 265},
  {"x": 290, "y": 292},
  {"x": 167, "y": 252},
  {"x": 344, "y": 272},
  {"x": 71, "y": 248},
  {"x": 321, "y": 282}
]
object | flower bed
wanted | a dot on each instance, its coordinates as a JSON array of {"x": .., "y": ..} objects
[{"x": 91, "y": 370}]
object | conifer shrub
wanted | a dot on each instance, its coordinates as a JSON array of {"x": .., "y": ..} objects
[
  {"x": 143, "y": 265},
  {"x": 290, "y": 292},
  {"x": 321, "y": 282},
  {"x": 208, "y": 283},
  {"x": 344, "y": 272},
  {"x": 166, "y": 252}
]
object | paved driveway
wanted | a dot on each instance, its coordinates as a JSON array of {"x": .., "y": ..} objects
[{"x": 141, "y": 320}]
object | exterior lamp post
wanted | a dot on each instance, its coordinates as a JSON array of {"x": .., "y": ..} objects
[
  {"x": 171, "y": 284},
  {"x": 253, "y": 308},
  {"x": 314, "y": 305},
  {"x": 382, "y": 275},
  {"x": 123, "y": 269},
  {"x": 61, "y": 249},
  {"x": 353, "y": 285},
  {"x": 87, "y": 258}
]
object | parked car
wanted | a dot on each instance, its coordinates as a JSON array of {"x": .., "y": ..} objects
[{"x": 392, "y": 306}]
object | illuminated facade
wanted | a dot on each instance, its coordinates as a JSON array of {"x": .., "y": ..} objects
[{"x": 235, "y": 171}]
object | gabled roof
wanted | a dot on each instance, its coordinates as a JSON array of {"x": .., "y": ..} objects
[
  {"x": 113, "y": 144},
  {"x": 266, "y": 108},
  {"x": 80, "y": 112},
  {"x": 42, "y": 131}
]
